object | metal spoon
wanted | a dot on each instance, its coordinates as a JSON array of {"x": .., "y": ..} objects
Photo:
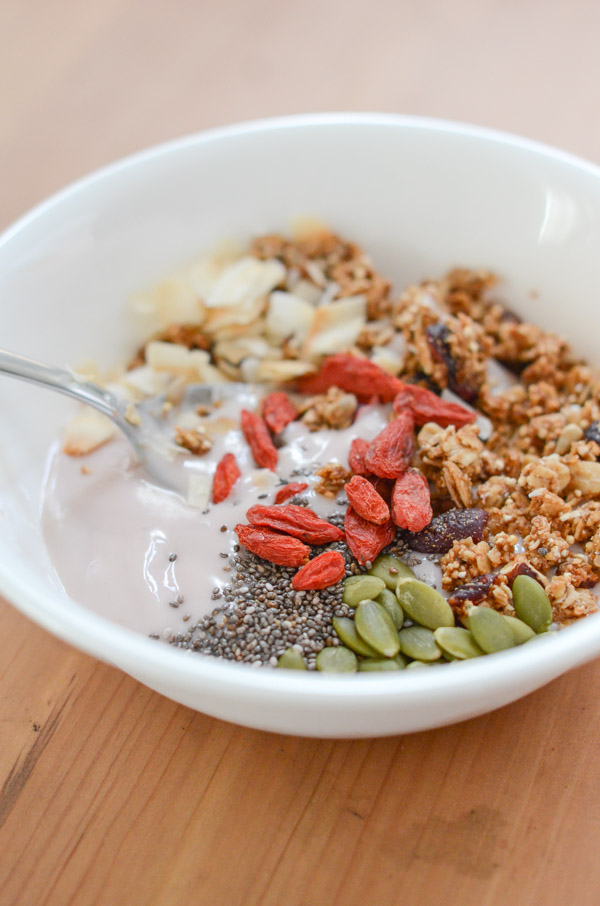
[{"x": 152, "y": 448}]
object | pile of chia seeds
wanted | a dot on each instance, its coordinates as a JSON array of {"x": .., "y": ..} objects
[{"x": 261, "y": 615}]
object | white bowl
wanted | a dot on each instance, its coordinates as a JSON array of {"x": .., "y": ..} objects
[{"x": 421, "y": 196}]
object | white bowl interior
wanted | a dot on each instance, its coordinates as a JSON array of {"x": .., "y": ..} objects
[{"x": 421, "y": 196}]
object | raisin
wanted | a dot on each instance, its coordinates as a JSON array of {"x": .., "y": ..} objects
[
  {"x": 475, "y": 591},
  {"x": 593, "y": 433},
  {"x": 443, "y": 530},
  {"x": 438, "y": 339}
]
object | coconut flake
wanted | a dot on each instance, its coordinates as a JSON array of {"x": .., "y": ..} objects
[{"x": 245, "y": 281}]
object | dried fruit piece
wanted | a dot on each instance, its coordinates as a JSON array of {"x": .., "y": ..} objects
[
  {"x": 475, "y": 591},
  {"x": 438, "y": 338},
  {"x": 365, "y": 539},
  {"x": 226, "y": 475},
  {"x": 411, "y": 501},
  {"x": 426, "y": 406},
  {"x": 290, "y": 490},
  {"x": 258, "y": 437},
  {"x": 271, "y": 546},
  {"x": 337, "y": 660},
  {"x": 298, "y": 521},
  {"x": 366, "y": 501},
  {"x": 355, "y": 375},
  {"x": 443, "y": 530},
  {"x": 390, "y": 453},
  {"x": 321, "y": 572},
  {"x": 383, "y": 486},
  {"x": 356, "y": 456},
  {"x": 278, "y": 411}
]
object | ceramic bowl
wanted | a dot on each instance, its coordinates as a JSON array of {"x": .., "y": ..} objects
[{"x": 421, "y": 196}]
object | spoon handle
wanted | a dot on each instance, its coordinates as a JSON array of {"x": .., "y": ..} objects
[{"x": 58, "y": 379}]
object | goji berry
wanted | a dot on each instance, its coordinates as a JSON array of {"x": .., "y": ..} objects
[
  {"x": 365, "y": 539},
  {"x": 356, "y": 456},
  {"x": 389, "y": 455},
  {"x": 298, "y": 521},
  {"x": 366, "y": 501},
  {"x": 428, "y": 407},
  {"x": 411, "y": 501},
  {"x": 321, "y": 572},
  {"x": 226, "y": 475},
  {"x": 290, "y": 490},
  {"x": 278, "y": 411},
  {"x": 258, "y": 437},
  {"x": 383, "y": 486},
  {"x": 271, "y": 546},
  {"x": 359, "y": 376}
]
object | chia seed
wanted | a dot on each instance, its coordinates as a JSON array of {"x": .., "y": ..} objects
[{"x": 172, "y": 558}]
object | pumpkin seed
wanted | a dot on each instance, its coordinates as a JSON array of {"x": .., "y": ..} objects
[
  {"x": 489, "y": 629},
  {"x": 390, "y": 569},
  {"x": 346, "y": 630},
  {"x": 337, "y": 660},
  {"x": 389, "y": 600},
  {"x": 291, "y": 659},
  {"x": 531, "y": 603},
  {"x": 376, "y": 627},
  {"x": 361, "y": 588},
  {"x": 424, "y": 604},
  {"x": 456, "y": 642},
  {"x": 419, "y": 643},
  {"x": 414, "y": 664},
  {"x": 521, "y": 631},
  {"x": 378, "y": 664}
]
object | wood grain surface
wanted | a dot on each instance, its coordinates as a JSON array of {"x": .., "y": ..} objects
[{"x": 114, "y": 795}]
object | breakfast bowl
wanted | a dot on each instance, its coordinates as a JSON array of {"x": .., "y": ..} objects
[{"x": 422, "y": 196}]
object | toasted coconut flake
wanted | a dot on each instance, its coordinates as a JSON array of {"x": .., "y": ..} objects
[
  {"x": 387, "y": 359},
  {"x": 176, "y": 359},
  {"x": 145, "y": 381},
  {"x": 336, "y": 326},
  {"x": 86, "y": 432},
  {"x": 289, "y": 316},
  {"x": 198, "y": 490},
  {"x": 244, "y": 281},
  {"x": 233, "y": 320},
  {"x": 283, "y": 370}
]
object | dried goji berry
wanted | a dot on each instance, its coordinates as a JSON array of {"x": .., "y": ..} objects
[
  {"x": 411, "y": 501},
  {"x": 290, "y": 490},
  {"x": 359, "y": 376},
  {"x": 356, "y": 456},
  {"x": 365, "y": 539},
  {"x": 226, "y": 475},
  {"x": 298, "y": 521},
  {"x": 259, "y": 440},
  {"x": 363, "y": 497},
  {"x": 389, "y": 455},
  {"x": 321, "y": 572},
  {"x": 271, "y": 546},
  {"x": 278, "y": 411},
  {"x": 428, "y": 407},
  {"x": 383, "y": 486}
]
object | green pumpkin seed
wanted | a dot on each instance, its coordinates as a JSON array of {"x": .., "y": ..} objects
[
  {"x": 378, "y": 664},
  {"x": 376, "y": 627},
  {"x": 291, "y": 659},
  {"x": 490, "y": 630},
  {"x": 521, "y": 631},
  {"x": 361, "y": 588},
  {"x": 419, "y": 643},
  {"x": 389, "y": 600},
  {"x": 424, "y": 604},
  {"x": 457, "y": 643},
  {"x": 346, "y": 631},
  {"x": 390, "y": 569},
  {"x": 337, "y": 660},
  {"x": 414, "y": 664},
  {"x": 532, "y": 604}
]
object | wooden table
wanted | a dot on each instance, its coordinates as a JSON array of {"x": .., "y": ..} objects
[{"x": 114, "y": 795}]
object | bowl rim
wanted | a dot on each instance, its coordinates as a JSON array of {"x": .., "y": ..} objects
[{"x": 133, "y": 652}]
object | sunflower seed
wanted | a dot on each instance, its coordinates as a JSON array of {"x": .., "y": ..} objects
[
  {"x": 419, "y": 643},
  {"x": 361, "y": 588},
  {"x": 531, "y": 603},
  {"x": 337, "y": 660},
  {"x": 376, "y": 627},
  {"x": 424, "y": 604},
  {"x": 456, "y": 642}
]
